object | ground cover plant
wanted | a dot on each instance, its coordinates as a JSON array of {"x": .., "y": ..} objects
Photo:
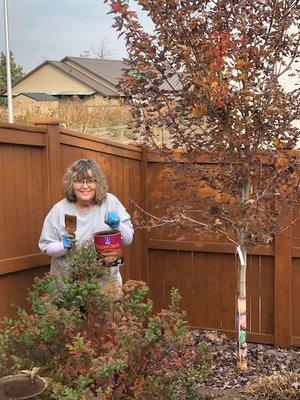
[
  {"x": 221, "y": 78},
  {"x": 93, "y": 343},
  {"x": 277, "y": 386}
]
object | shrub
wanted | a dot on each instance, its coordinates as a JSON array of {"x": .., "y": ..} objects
[
  {"x": 104, "y": 119},
  {"x": 277, "y": 386},
  {"x": 94, "y": 345}
]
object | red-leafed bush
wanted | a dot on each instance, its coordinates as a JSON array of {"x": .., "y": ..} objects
[{"x": 95, "y": 344}]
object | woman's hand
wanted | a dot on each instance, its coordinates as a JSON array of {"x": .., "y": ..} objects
[
  {"x": 112, "y": 219},
  {"x": 68, "y": 241}
]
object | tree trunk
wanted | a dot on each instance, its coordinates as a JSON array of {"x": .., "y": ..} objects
[
  {"x": 241, "y": 295},
  {"x": 241, "y": 309}
]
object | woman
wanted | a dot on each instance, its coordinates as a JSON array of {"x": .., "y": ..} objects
[{"x": 86, "y": 198}]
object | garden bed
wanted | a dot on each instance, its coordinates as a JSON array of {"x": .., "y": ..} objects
[{"x": 225, "y": 381}]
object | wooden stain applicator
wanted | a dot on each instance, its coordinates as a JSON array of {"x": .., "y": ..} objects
[{"x": 71, "y": 224}]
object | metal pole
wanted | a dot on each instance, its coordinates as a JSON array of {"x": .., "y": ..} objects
[{"x": 8, "y": 71}]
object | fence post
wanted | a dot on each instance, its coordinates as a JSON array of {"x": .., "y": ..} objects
[
  {"x": 53, "y": 157},
  {"x": 283, "y": 289}
]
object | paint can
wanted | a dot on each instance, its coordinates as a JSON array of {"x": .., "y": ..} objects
[{"x": 108, "y": 244}]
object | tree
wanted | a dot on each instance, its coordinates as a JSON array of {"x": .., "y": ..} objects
[
  {"x": 16, "y": 71},
  {"x": 100, "y": 50},
  {"x": 211, "y": 75}
]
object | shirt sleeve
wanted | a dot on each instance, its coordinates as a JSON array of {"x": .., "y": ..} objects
[
  {"x": 127, "y": 234},
  {"x": 56, "y": 249},
  {"x": 50, "y": 230},
  {"x": 126, "y": 226}
]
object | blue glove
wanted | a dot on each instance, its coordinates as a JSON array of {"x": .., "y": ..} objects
[
  {"x": 68, "y": 241},
  {"x": 112, "y": 219}
]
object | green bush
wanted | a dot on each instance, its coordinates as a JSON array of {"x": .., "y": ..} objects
[{"x": 94, "y": 344}]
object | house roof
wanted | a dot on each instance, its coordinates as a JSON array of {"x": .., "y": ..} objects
[
  {"x": 110, "y": 70},
  {"x": 40, "y": 96},
  {"x": 172, "y": 84}
]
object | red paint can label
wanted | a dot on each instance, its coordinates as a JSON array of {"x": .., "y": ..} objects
[{"x": 107, "y": 241}]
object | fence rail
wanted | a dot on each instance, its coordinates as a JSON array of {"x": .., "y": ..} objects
[{"x": 32, "y": 161}]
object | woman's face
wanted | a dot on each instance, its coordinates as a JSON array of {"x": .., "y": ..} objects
[{"x": 85, "y": 189}]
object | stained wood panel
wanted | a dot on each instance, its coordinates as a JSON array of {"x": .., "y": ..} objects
[
  {"x": 253, "y": 298},
  {"x": 214, "y": 291},
  {"x": 200, "y": 290},
  {"x": 296, "y": 298},
  {"x": 25, "y": 173},
  {"x": 185, "y": 281},
  {"x": 296, "y": 227},
  {"x": 228, "y": 291},
  {"x": 171, "y": 273},
  {"x": 22, "y": 204},
  {"x": 267, "y": 294},
  {"x": 207, "y": 284},
  {"x": 138, "y": 260},
  {"x": 206, "y": 276},
  {"x": 40, "y": 202},
  {"x": 14, "y": 289},
  {"x": 155, "y": 183},
  {"x": 157, "y": 279},
  {"x": 3, "y": 236}
]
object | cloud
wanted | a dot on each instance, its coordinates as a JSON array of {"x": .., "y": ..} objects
[{"x": 52, "y": 29}]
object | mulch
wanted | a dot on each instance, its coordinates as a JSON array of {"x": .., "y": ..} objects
[{"x": 225, "y": 381}]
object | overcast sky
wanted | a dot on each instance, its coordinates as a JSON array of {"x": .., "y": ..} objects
[{"x": 53, "y": 29}]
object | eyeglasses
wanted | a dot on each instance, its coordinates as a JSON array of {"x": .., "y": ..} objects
[{"x": 91, "y": 183}]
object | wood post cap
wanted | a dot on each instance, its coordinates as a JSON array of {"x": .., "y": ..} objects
[{"x": 46, "y": 121}]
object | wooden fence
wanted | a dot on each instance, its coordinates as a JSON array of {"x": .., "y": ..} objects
[{"x": 32, "y": 161}]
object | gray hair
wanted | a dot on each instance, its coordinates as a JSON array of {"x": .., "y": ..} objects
[{"x": 85, "y": 168}]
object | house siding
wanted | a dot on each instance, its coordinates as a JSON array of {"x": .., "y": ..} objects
[{"x": 49, "y": 79}]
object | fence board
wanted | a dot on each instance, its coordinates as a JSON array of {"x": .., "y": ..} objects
[
  {"x": 91, "y": 143},
  {"x": 200, "y": 290},
  {"x": 16, "y": 264},
  {"x": 22, "y": 198},
  {"x": 157, "y": 284},
  {"x": 267, "y": 295},
  {"x": 185, "y": 281},
  {"x": 40, "y": 197},
  {"x": 253, "y": 290},
  {"x": 30, "y": 201},
  {"x": 171, "y": 274},
  {"x": 228, "y": 291},
  {"x": 213, "y": 291},
  {"x": 2, "y": 208},
  {"x": 10, "y": 199},
  {"x": 155, "y": 183},
  {"x": 137, "y": 263},
  {"x": 22, "y": 138},
  {"x": 295, "y": 298}
]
